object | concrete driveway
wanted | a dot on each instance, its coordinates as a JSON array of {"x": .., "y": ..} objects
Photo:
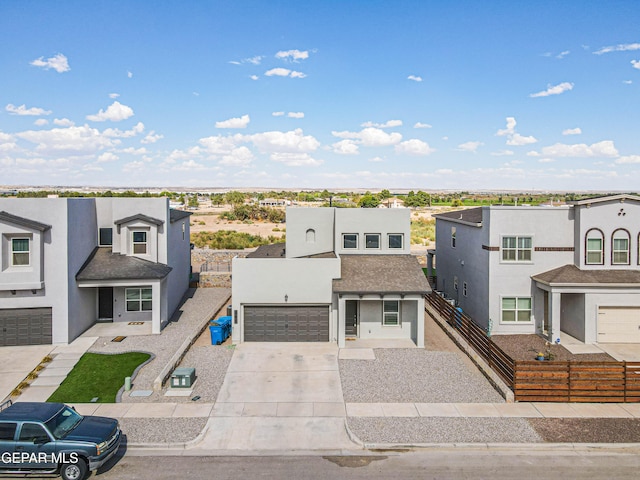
[
  {"x": 17, "y": 362},
  {"x": 280, "y": 397}
]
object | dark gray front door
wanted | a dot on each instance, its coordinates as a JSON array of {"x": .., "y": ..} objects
[
  {"x": 286, "y": 324},
  {"x": 25, "y": 326},
  {"x": 105, "y": 303},
  {"x": 351, "y": 318}
]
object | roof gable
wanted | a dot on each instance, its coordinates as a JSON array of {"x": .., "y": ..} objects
[
  {"x": 140, "y": 216},
  {"x": 103, "y": 264},
  {"x": 23, "y": 222},
  {"x": 608, "y": 198}
]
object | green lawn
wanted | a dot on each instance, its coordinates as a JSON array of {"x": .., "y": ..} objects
[{"x": 97, "y": 375}]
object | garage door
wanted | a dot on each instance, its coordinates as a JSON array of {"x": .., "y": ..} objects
[
  {"x": 619, "y": 324},
  {"x": 25, "y": 326},
  {"x": 286, "y": 324}
]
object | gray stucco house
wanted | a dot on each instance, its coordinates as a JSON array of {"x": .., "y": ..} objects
[
  {"x": 70, "y": 262},
  {"x": 571, "y": 268},
  {"x": 342, "y": 273}
]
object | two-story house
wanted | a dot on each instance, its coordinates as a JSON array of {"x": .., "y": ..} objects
[
  {"x": 342, "y": 273},
  {"x": 70, "y": 262},
  {"x": 571, "y": 268}
]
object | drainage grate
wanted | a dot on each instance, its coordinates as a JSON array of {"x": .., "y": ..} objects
[
  {"x": 119, "y": 338},
  {"x": 135, "y": 323}
]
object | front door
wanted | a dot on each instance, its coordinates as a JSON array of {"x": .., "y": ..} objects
[
  {"x": 105, "y": 303},
  {"x": 351, "y": 318}
]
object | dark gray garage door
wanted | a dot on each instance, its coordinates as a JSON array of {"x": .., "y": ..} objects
[
  {"x": 286, "y": 324},
  {"x": 25, "y": 326}
]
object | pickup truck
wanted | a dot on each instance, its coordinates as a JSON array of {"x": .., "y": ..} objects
[{"x": 52, "y": 438}]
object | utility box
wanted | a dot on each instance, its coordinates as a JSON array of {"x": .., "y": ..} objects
[{"x": 183, "y": 377}]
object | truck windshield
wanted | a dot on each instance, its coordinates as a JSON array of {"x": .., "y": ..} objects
[{"x": 63, "y": 422}]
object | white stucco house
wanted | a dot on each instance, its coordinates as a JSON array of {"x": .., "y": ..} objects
[
  {"x": 571, "y": 268},
  {"x": 68, "y": 263},
  {"x": 342, "y": 273}
]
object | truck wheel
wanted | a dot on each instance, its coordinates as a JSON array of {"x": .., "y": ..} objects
[{"x": 74, "y": 471}]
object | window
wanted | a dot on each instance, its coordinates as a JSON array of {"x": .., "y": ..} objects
[
  {"x": 372, "y": 240},
  {"x": 453, "y": 237},
  {"x": 391, "y": 312},
  {"x": 455, "y": 283},
  {"x": 595, "y": 247},
  {"x": 396, "y": 240},
  {"x": 139, "y": 243},
  {"x": 311, "y": 236},
  {"x": 33, "y": 433},
  {"x": 620, "y": 252},
  {"x": 516, "y": 309},
  {"x": 20, "y": 252},
  {"x": 350, "y": 240},
  {"x": 464, "y": 288},
  {"x": 105, "y": 237},
  {"x": 516, "y": 249},
  {"x": 183, "y": 230},
  {"x": 7, "y": 431},
  {"x": 138, "y": 299}
]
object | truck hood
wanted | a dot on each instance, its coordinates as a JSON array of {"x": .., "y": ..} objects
[{"x": 93, "y": 429}]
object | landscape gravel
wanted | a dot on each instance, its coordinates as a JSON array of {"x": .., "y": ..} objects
[
  {"x": 199, "y": 307},
  {"x": 407, "y": 375},
  {"x": 442, "y": 430},
  {"x": 212, "y": 362},
  {"x": 161, "y": 430}
]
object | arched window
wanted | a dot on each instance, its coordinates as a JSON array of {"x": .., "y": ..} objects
[
  {"x": 620, "y": 247},
  {"x": 594, "y": 251},
  {"x": 311, "y": 236}
]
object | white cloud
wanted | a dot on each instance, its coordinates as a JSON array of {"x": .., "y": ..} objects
[
  {"x": 41, "y": 122},
  {"x": 546, "y": 160},
  {"x": 219, "y": 145},
  {"x": 152, "y": 137},
  {"x": 117, "y": 133},
  {"x": 387, "y": 124},
  {"x": 293, "y": 141},
  {"x": 346, "y": 147},
  {"x": 295, "y": 159},
  {"x": 293, "y": 55},
  {"x": 517, "y": 140},
  {"x": 63, "y": 122},
  {"x": 422, "y": 125},
  {"x": 114, "y": 95},
  {"x": 241, "y": 122},
  {"x": 623, "y": 47},
  {"x": 295, "y": 115},
  {"x": 470, "y": 146},
  {"x": 510, "y": 130},
  {"x": 23, "y": 110},
  {"x": 414, "y": 78},
  {"x": 77, "y": 140},
  {"x": 376, "y": 159},
  {"x": 627, "y": 82},
  {"x": 628, "y": 159},
  {"x": 371, "y": 137},
  {"x": 635, "y": 64},
  {"x": 414, "y": 147},
  {"x": 108, "y": 157},
  {"x": 561, "y": 55},
  {"x": 58, "y": 62},
  {"x": 503, "y": 153},
  {"x": 135, "y": 151},
  {"x": 238, "y": 157},
  {"x": 129, "y": 75},
  {"x": 284, "y": 72},
  {"x": 253, "y": 60},
  {"x": 277, "y": 114},
  {"x": 553, "y": 90},
  {"x": 606, "y": 148},
  {"x": 572, "y": 131},
  {"x": 115, "y": 112},
  {"x": 254, "y": 77}
]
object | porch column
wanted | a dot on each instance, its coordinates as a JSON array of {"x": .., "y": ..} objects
[
  {"x": 554, "y": 316},
  {"x": 420, "y": 323},
  {"x": 430, "y": 255},
  {"x": 156, "y": 307},
  {"x": 341, "y": 322}
]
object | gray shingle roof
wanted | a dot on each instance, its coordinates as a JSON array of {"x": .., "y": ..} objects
[
  {"x": 469, "y": 215},
  {"x": 381, "y": 274},
  {"x": 139, "y": 216},
  {"x": 175, "y": 215},
  {"x": 23, "y": 222},
  {"x": 274, "y": 250},
  {"x": 572, "y": 275},
  {"x": 103, "y": 264}
]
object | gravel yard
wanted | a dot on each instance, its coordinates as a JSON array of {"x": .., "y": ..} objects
[
  {"x": 443, "y": 430},
  {"x": 409, "y": 375},
  {"x": 524, "y": 347},
  {"x": 154, "y": 430},
  {"x": 211, "y": 364}
]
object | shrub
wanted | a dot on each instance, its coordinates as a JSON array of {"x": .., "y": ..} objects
[{"x": 230, "y": 240}]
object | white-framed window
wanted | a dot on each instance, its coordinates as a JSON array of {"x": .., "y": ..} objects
[
  {"x": 464, "y": 289},
  {"x": 453, "y": 237},
  {"x": 372, "y": 240},
  {"x": 594, "y": 247},
  {"x": 516, "y": 309},
  {"x": 620, "y": 248},
  {"x": 396, "y": 240},
  {"x": 138, "y": 299},
  {"x": 20, "y": 252},
  {"x": 350, "y": 241},
  {"x": 139, "y": 242},
  {"x": 516, "y": 249},
  {"x": 390, "y": 312}
]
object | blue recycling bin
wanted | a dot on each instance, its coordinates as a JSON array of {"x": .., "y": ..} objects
[{"x": 220, "y": 330}]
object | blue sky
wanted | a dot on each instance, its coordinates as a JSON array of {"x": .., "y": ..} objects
[{"x": 466, "y": 95}]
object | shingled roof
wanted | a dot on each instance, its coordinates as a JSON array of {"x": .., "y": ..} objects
[
  {"x": 175, "y": 215},
  {"x": 363, "y": 274},
  {"x": 469, "y": 215},
  {"x": 140, "y": 216},
  {"x": 23, "y": 222},
  {"x": 103, "y": 264},
  {"x": 571, "y": 275}
]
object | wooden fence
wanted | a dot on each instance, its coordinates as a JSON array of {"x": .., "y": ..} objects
[{"x": 547, "y": 381}]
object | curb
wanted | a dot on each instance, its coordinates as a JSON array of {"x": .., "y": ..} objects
[{"x": 631, "y": 448}]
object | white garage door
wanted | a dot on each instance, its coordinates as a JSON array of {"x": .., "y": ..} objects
[{"x": 619, "y": 324}]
